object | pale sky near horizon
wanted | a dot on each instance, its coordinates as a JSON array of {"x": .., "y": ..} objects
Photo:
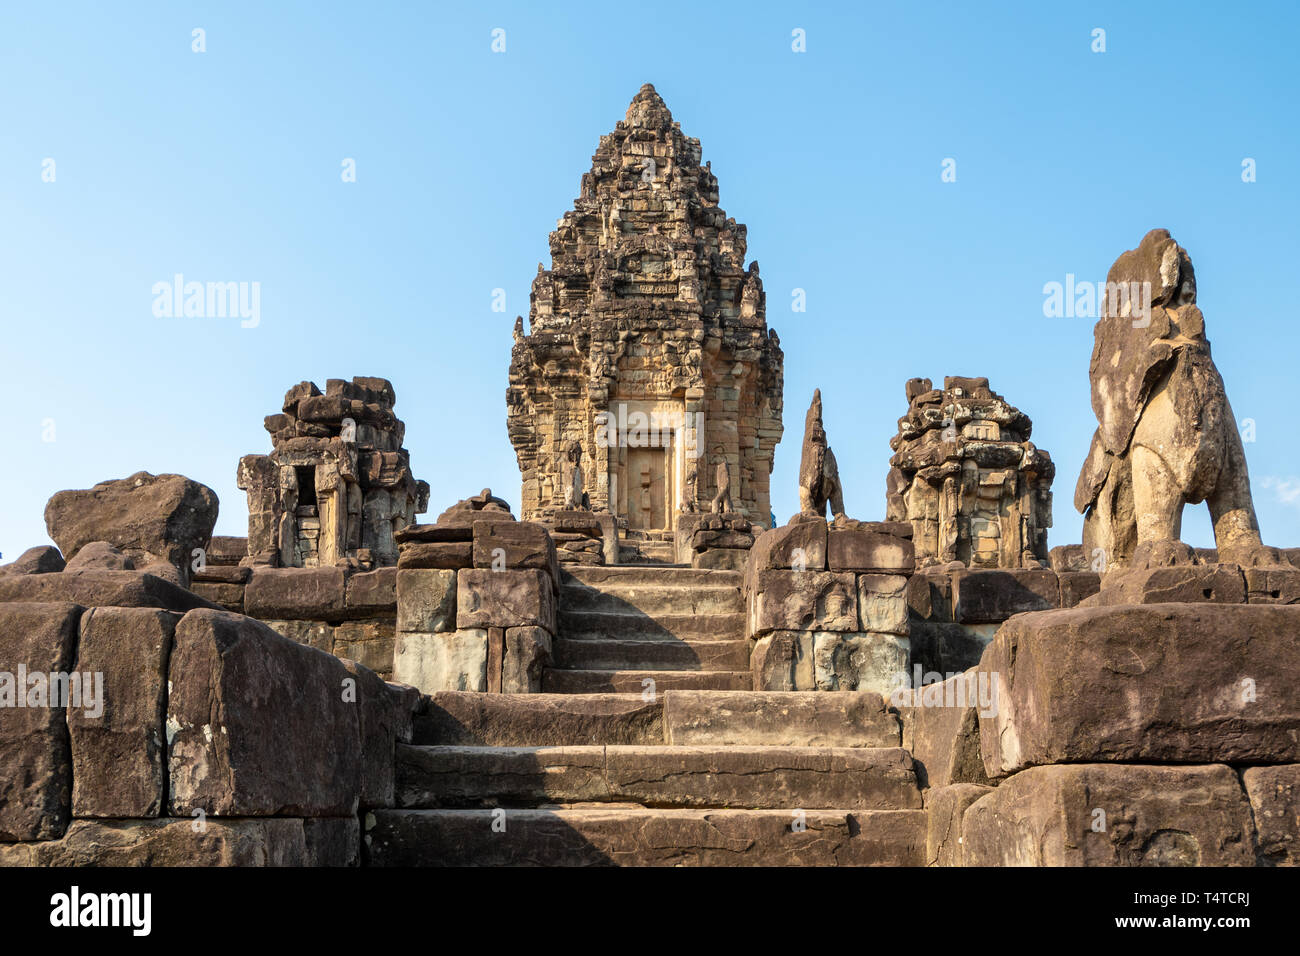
[{"x": 225, "y": 165}]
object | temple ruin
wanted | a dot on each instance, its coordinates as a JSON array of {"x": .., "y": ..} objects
[
  {"x": 347, "y": 687},
  {"x": 967, "y": 477},
  {"x": 648, "y": 341},
  {"x": 337, "y": 484}
]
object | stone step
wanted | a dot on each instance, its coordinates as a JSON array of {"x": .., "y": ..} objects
[
  {"x": 652, "y": 600},
  {"x": 646, "y": 552},
  {"x": 692, "y": 717},
  {"x": 674, "y": 628},
  {"x": 759, "y": 778},
  {"x": 657, "y": 654},
  {"x": 779, "y": 719},
  {"x": 559, "y": 681},
  {"x": 467, "y": 718},
  {"x": 629, "y": 836},
  {"x": 609, "y": 577}
]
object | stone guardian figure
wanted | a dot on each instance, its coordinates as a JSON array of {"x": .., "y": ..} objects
[
  {"x": 1166, "y": 435},
  {"x": 819, "y": 476},
  {"x": 575, "y": 499}
]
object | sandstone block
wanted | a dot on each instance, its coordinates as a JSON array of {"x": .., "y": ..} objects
[
  {"x": 882, "y": 603},
  {"x": 527, "y": 654},
  {"x": 860, "y": 662},
  {"x": 944, "y": 809},
  {"x": 1214, "y": 583},
  {"x": 119, "y": 757},
  {"x": 801, "y": 544},
  {"x": 774, "y": 719},
  {"x": 257, "y": 724},
  {"x": 372, "y": 592},
  {"x": 442, "y": 555},
  {"x": 992, "y": 596},
  {"x": 783, "y": 660},
  {"x": 95, "y": 588},
  {"x": 1274, "y": 794},
  {"x": 43, "y": 559},
  {"x": 150, "y": 517},
  {"x": 1077, "y": 586},
  {"x": 1272, "y": 585},
  {"x": 168, "y": 842},
  {"x": 317, "y": 634},
  {"x": 101, "y": 555},
  {"x": 542, "y": 720},
  {"x": 1112, "y": 815},
  {"x": 426, "y": 600},
  {"x": 512, "y": 545},
  {"x": 857, "y": 549},
  {"x": 228, "y": 596},
  {"x": 720, "y": 559},
  {"x": 369, "y": 643},
  {"x": 36, "y": 640},
  {"x": 941, "y": 728},
  {"x": 305, "y": 594},
  {"x": 381, "y": 720},
  {"x": 1179, "y": 683},
  {"x": 647, "y": 837},
  {"x": 929, "y": 594},
  {"x": 805, "y": 601},
  {"x": 505, "y": 599},
  {"x": 447, "y": 660}
]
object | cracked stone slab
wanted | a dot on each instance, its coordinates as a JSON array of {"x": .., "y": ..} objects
[{"x": 632, "y": 836}]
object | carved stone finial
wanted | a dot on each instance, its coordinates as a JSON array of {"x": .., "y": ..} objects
[{"x": 819, "y": 476}]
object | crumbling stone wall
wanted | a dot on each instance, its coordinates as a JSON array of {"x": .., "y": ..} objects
[
  {"x": 647, "y": 310},
  {"x": 338, "y": 483},
  {"x": 967, "y": 477}
]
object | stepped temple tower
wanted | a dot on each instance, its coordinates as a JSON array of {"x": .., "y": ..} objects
[{"x": 647, "y": 343}]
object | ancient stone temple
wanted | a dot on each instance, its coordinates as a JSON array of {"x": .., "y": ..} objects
[
  {"x": 967, "y": 477},
  {"x": 647, "y": 343},
  {"x": 338, "y": 483}
]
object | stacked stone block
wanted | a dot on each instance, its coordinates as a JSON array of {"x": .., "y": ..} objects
[
  {"x": 584, "y": 537},
  {"x": 338, "y": 482},
  {"x": 826, "y": 607},
  {"x": 1160, "y": 733},
  {"x": 476, "y": 603},
  {"x": 716, "y": 542},
  {"x": 190, "y": 736}
]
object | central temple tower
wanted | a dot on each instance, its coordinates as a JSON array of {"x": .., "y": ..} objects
[{"x": 648, "y": 342}]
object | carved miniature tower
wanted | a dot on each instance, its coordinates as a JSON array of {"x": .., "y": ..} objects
[
  {"x": 338, "y": 482},
  {"x": 967, "y": 477},
  {"x": 647, "y": 342}
]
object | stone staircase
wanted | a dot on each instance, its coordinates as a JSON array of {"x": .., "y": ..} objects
[
  {"x": 649, "y": 628},
  {"x": 685, "y": 778}
]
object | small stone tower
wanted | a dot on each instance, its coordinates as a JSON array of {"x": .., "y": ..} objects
[
  {"x": 647, "y": 342},
  {"x": 338, "y": 482},
  {"x": 967, "y": 477}
]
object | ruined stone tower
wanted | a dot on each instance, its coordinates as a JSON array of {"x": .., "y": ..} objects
[
  {"x": 967, "y": 477},
  {"x": 337, "y": 484},
  {"x": 647, "y": 341}
]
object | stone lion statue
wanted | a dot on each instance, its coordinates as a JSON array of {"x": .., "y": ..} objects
[{"x": 1166, "y": 435}]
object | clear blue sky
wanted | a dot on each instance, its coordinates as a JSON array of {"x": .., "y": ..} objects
[{"x": 225, "y": 166}]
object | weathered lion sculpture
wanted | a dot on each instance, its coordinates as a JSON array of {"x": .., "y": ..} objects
[{"x": 1166, "y": 435}]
